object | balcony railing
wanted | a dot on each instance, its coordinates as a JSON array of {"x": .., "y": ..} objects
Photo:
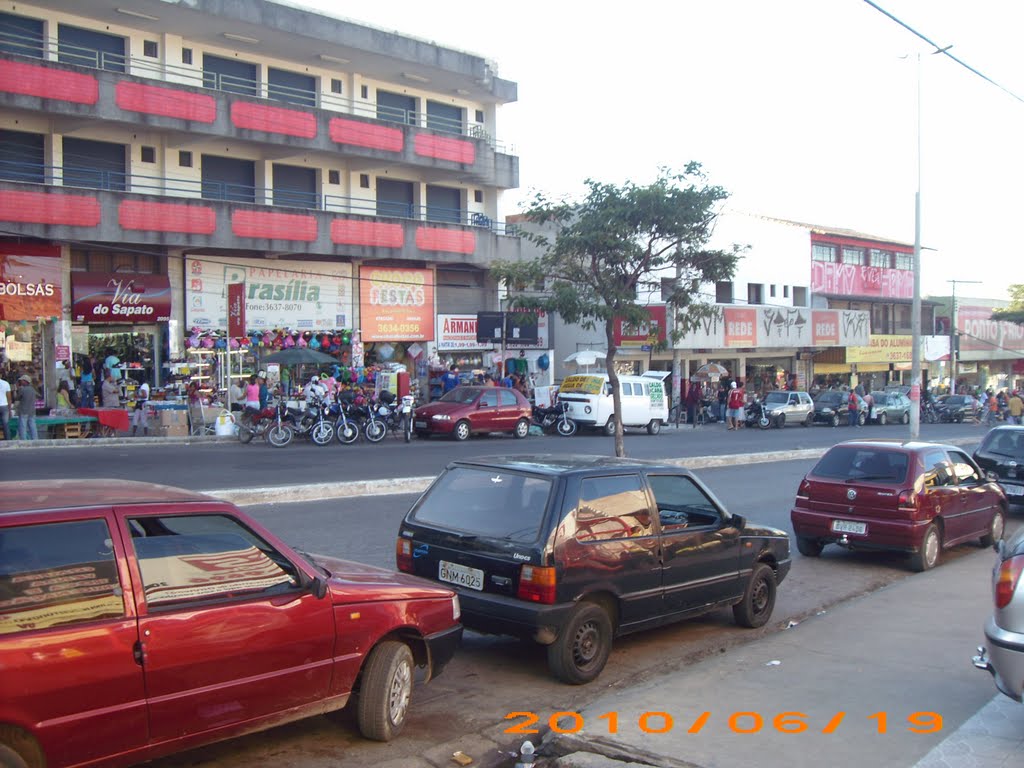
[
  {"x": 50, "y": 49},
  {"x": 208, "y": 189}
]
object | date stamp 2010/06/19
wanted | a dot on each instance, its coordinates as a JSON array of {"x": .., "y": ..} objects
[{"x": 737, "y": 722}]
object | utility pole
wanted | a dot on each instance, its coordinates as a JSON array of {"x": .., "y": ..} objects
[
  {"x": 953, "y": 334},
  {"x": 915, "y": 307}
]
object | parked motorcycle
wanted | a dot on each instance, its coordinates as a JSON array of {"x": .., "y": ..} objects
[
  {"x": 929, "y": 414},
  {"x": 313, "y": 422},
  {"x": 758, "y": 416},
  {"x": 396, "y": 417},
  {"x": 346, "y": 427},
  {"x": 556, "y": 418},
  {"x": 268, "y": 423}
]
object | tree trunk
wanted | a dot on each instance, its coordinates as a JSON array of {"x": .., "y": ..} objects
[{"x": 613, "y": 382}]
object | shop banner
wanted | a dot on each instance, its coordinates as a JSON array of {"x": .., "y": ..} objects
[
  {"x": 543, "y": 335},
  {"x": 116, "y": 298},
  {"x": 236, "y": 310},
  {"x": 396, "y": 304},
  {"x": 651, "y": 332},
  {"x": 826, "y": 329},
  {"x": 859, "y": 280},
  {"x": 740, "y": 327},
  {"x": 30, "y": 286},
  {"x": 777, "y": 328},
  {"x": 979, "y": 333},
  {"x": 300, "y": 295},
  {"x": 458, "y": 333}
]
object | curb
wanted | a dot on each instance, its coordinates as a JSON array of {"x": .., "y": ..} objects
[
  {"x": 103, "y": 442},
  {"x": 285, "y": 494}
]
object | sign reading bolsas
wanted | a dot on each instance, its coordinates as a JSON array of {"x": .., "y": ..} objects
[
  {"x": 98, "y": 297},
  {"x": 30, "y": 282},
  {"x": 396, "y": 304}
]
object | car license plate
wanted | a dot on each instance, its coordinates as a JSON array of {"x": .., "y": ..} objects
[
  {"x": 848, "y": 526},
  {"x": 461, "y": 575},
  {"x": 1013, "y": 490},
  {"x": 421, "y": 425}
]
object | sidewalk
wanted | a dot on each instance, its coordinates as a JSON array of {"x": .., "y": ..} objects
[{"x": 901, "y": 650}]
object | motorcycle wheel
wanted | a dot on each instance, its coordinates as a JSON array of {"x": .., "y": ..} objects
[
  {"x": 764, "y": 422},
  {"x": 322, "y": 433},
  {"x": 245, "y": 433},
  {"x": 279, "y": 436},
  {"x": 347, "y": 432},
  {"x": 566, "y": 427},
  {"x": 407, "y": 427},
  {"x": 375, "y": 431}
]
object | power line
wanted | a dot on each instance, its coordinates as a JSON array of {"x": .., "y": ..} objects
[{"x": 943, "y": 50}]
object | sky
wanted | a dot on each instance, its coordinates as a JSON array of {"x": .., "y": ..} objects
[{"x": 801, "y": 109}]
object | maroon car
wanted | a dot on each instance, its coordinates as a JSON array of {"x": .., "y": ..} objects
[
  {"x": 915, "y": 497},
  {"x": 138, "y": 620},
  {"x": 467, "y": 410}
]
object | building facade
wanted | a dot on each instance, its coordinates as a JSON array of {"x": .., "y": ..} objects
[{"x": 151, "y": 155}]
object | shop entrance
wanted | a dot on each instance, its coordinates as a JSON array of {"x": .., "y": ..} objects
[{"x": 137, "y": 347}]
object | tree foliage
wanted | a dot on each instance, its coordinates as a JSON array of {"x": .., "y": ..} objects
[
  {"x": 1015, "y": 312},
  {"x": 595, "y": 253}
]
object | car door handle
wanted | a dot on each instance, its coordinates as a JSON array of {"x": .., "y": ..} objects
[{"x": 139, "y": 653}]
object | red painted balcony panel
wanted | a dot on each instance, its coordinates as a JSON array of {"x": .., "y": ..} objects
[
  {"x": 167, "y": 217},
  {"x": 375, "y": 234},
  {"x": 274, "y": 226},
  {"x": 37, "y": 80},
  {"x": 447, "y": 240},
  {"x": 287, "y": 122},
  {"x": 365, "y": 135},
  {"x": 444, "y": 148},
  {"x": 49, "y": 208},
  {"x": 166, "y": 102}
]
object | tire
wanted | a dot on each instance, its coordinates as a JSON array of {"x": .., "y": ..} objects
[
  {"x": 385, "y": 691},
  {"x": 245, "y": 433},
  {"x": 809, "y": 420},
  {"x": 522, "y": 429},
  {"x": 582, "y": 648},
  {"x": 905, "y": 418},
  {"x": 407, "y": 427},
  {"x": 883, "y": 419},
  {"x": 835, "y": 420},
  {"x": 280, "y": 436},
  {"x": 346, "y": 433},
  {"x": 927, "y": 557},
  {"x": 375, "y": 430},
  {"x": 566, "y": 427},
  {"x": 654, "y": 427},
  {"x": 995, "y": 530},
  {"x": 764, "y": 422},
  {"x": 322, "y": 433},
  {"x": 758, "y": 601},
  {"x": 462, "y": 431},
  {"x": 609, "y": 428},
  {"x": 809, "y": 547},
  {"x": 780, "y": 421},
  {"x": 862, "y": 419},
  {"x": 11, "y": 759}
]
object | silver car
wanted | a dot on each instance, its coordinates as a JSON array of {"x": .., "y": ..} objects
[
  {"x": 789, "y": 408},
  {"x": 1003, "y": 652}
]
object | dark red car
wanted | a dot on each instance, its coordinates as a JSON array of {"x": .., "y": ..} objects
[
  {"x": 467, "y": 410},
  {"x": 138, "y": 620},
  {"x": 915, "y": 497}
]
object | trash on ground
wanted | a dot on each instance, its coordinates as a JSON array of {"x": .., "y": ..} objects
[
  {"x": 461, "y": 758},
  {"x": 773, "y": 663}
]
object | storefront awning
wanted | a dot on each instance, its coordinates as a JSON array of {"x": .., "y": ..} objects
[{"x": 831, "y": 368}]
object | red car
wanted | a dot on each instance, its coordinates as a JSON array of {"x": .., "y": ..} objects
[
  {"x": 915, "y": 497},
  {"x": 138, "y": 620},
  {"x": 467, "y": 410}
]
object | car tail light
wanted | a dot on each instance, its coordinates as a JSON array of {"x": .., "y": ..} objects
[
  {"x": 1006, "y": 583},
  {"x": 804, "y": 491},
  {"x": 907, "y": 501},
  {"x": 403, "y": 555},
  {"x": 536, "y": 584}
]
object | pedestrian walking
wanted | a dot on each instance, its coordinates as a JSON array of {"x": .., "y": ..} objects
[
  {"x": 87, "y": 384},
  {"x": 693, "y": 399},
  {"x": 1015, "y": 405},
  {"x": 140, "y": 418},
  {"x": 6, "y": 401},
  {"x": 723, "y": 400},
  {"x": 852, "y": 406},
  {"x": 735, "y": 405},
  {"x": 992, "y": 410},
  {"x": 26, "y": 400}
]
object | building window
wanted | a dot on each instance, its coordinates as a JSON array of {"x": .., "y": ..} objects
[
  {"x": 364, "y": 180},
  {"x": 335, "y": 85},
  {"x": 771, "y": 291},
  {"x": 364, "y": 92},
  {"x": 478, "y": 195},
  {"x": 185, "y": 159},
  {"x": 150, "y": 49},
  {"x": 89, "y": 48},
  {"x": 723, "y": 292},
  {"x": 186, "y": 55},
  {"x": 333, "y": 177},
  {"x": 799, "y": 296},
  {"x": 905, "y": 261},
  {"x": 785, "y": 291},
  {"x": 881, "y": 258},
  {"x": 141, "y": 263},
  {"x": 444, "y": 117},
  {"x": 148, "y": 154},
  {"x": 21, "y": 36},
  {"x": 479, "y": 115},
  {"x": 291, "y": 87},
  {"x": 903, "y": 316},
  {"x": 823, "y": 252},
  {"x": 230, "y": 75},
  {"x": 880, "y": 318},
  {"x": 853, "y": 255},
  {"x": 755, "y": 293}
]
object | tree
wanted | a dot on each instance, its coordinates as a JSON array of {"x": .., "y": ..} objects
[
  {"x": 611, "y": 242},
  {"x": 1015, "y": 312}
]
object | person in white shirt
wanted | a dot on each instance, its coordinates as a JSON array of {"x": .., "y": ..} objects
[
  {"x": 6, "y": 401},
  {"x": 315, "y": 389},
  {"x": 238, "y": 395},
  {"x": 139, "y": 417}
]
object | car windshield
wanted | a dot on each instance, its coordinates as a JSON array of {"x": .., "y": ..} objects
[
  {"x": 1004, "y": 442},
  {"x": 880, "y": 398},
  {"x": 777, "y": 398},
  {"x": 829, "y": 398},
  {"x": 462, "y": 395},
  {"x": 490, "y": 503},
  {"x": 859, "y": 463}
]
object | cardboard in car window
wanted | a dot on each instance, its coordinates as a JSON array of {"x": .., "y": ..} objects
[{"x": 46, "y": 598}]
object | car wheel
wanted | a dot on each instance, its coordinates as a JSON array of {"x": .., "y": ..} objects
[
  {"x": 581, "y": 650},
  {"x": 995, "y": 530},
  {"x": 882, "y": 419},
  {"x": 654, "y": 427},
  {"x": 927, "y": 557},
  {"x": 809, "y": 547},
  {"x": 522, "y": 429},
  {"x": 905, "y": 418},
  {"x": 385, "y": 690},
  {"x": 835, "y": 419},
  {"x": 609, "y": 428},
  {"x": 862, "y": 419},
  {"x": 780, "y": 421},
  {"x": 809, "y": 420},
  {"x": 461, "y": 431},
  {"x": 11, "y": 759},
  {"x": 757, "y": 604}
]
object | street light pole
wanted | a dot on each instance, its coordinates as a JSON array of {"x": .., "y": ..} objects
[
  {"x": 953, "y": 334},
  {"x": 915, "y": 307}
]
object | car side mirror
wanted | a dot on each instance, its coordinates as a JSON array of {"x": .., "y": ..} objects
[
  {"x": 991, "y": 476},
  {"x": 738, "y": 521},
  {"x": 318, "y": 587}
]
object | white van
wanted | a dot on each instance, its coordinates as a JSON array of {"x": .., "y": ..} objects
[{"x": 589, "y": 400}]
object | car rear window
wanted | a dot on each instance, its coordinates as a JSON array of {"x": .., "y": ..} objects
[
  {"x": 829, "y": 398},
  {"x": 490, "y": 503},
  {"x": 1004, "y": 442},
  {"x": 862, "y": 464}
]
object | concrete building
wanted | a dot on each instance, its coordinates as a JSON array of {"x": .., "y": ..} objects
[
  {"x": 989, "y": 353},
  {"x": 152, "y": 153}
]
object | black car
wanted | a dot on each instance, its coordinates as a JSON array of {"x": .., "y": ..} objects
[
  {"x": 570, "y": 551},
  {"x": 1002, "y": 453},
  {"x": 958, "y": 408},
  {"x": 832, "y": 407}
]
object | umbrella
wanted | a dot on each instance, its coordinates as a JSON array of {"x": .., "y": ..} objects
[
  {"x": 297, "y": 356},
  {"x": 709, "y": 372},
  {"x": 586, "y": 357}
]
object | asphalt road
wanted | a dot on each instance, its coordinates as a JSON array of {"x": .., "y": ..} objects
[
  {"x": 228, "y": 464},
  {"x": 465, "y": 708}
]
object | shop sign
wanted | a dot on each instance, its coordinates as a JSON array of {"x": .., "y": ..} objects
[
  {"x": 776, "y": 328},
  {"x": 860, "y": 280},
  {"x": 998, "y": 339},
  {"x": 740, "y": 327},
  {"x": 18, "y": 351},
  {"x": 396, "y": 304},
  {"x": 30, "y": 286},
  {"x": 63, "y": 352},
  {"x": 543, "y": 334},
  {"x": 116, "y": 298},
  {"x": 458, "y": 333},
  {"x": 882, "y": 349},
  {"x": 628, "y": 335},
  {"x": 236, "y": 310},
  {"x": 825, "y": 330},
  {"x": 300, "y": 295}
]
